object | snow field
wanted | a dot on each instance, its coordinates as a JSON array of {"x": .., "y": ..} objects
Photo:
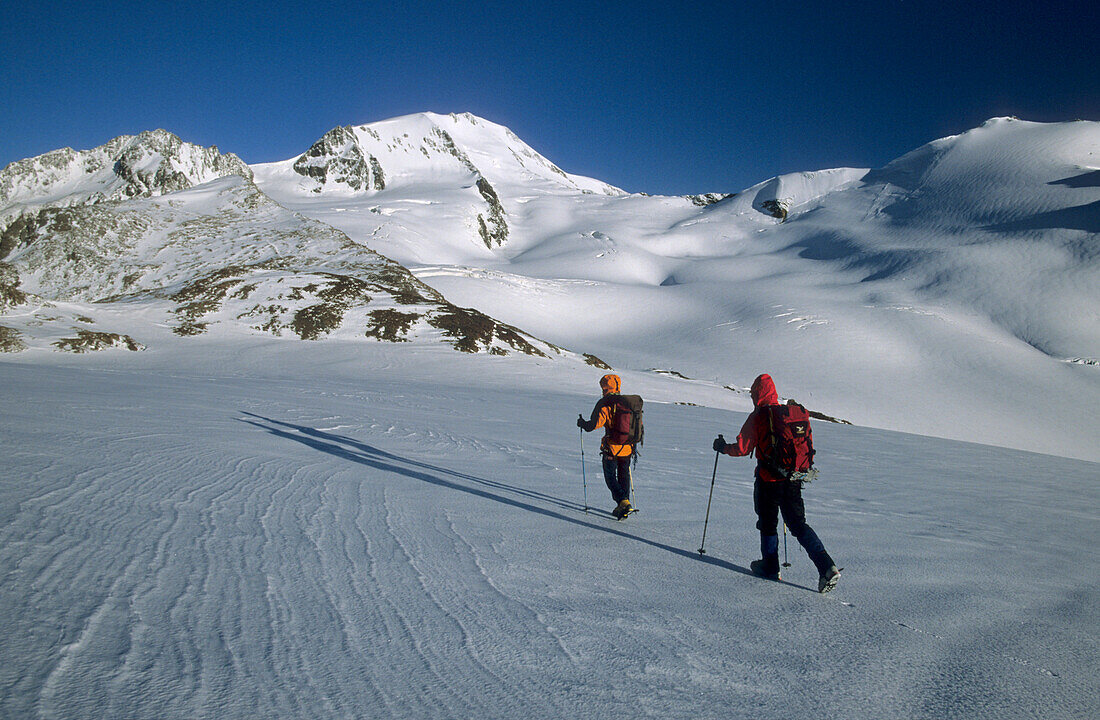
[
  {"x": 955, "y": 284},
  {"x": 957, "y": 280},
  {"x": 321, "y": 532}
]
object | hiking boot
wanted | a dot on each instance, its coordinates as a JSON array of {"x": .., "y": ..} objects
[
  {"x": 828, "y": 580},
  {"x": 767, "y": 569},
  {"x": 622, "y": 509}
]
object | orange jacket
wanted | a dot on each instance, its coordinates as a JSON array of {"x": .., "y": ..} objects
[{"x": 602, "y": 416}]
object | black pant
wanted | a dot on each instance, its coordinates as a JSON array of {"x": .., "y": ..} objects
[
  {"x": 616, "y": 473},
  {"x": 771, "y": 498}
]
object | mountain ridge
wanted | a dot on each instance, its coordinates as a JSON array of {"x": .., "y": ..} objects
[{"x": 938, "y": 282}]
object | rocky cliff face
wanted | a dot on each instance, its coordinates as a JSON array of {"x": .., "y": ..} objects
[{"x": 337, "y": 159}]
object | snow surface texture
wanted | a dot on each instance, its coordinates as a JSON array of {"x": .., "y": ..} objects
[
  {"x": 953, "y": 293},
  {"x": 292, "y": 530}
]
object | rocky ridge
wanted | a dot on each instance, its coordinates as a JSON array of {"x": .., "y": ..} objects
[
  {"x": 145, "y": 165},
  {"x": 200, "y": 253}
]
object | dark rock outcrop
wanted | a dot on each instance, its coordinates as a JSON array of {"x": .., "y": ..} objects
[{"x": 338, "y": 158}]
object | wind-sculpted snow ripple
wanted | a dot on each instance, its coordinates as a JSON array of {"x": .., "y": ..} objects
[{"x": 179, "y": 543}]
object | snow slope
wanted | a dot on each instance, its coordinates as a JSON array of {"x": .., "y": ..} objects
[
  {"x": 959, "y": 283},
  {"x": 287, "y": 530},
  {"x": 953, "y": 293}
]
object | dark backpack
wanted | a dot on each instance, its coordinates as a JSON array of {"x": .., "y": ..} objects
[
  {"x": 790, "y": 451},
  {"x": 626, "y": 420}
]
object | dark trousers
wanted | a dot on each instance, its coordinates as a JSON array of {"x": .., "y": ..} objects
[
  {"x": 616, "y": 473},
  {"x": 771, "y": 498}
]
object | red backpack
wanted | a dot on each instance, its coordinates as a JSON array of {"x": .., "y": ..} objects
[
  {"x": 626, "y": 420},
  {"x": 790, "y": 450}
]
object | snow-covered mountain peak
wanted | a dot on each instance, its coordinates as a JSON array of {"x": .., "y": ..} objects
[
  {"x": 960, "y": 276},
  {"x": 481, "y": 171},
  {"x": 428, "y": 148},
  {"x": 1003, "y": 156},
  {"x": 144, "y": 165}
]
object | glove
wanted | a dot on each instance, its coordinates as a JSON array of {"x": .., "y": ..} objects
[
  {"x": 580, "y": 421},
  {"x": 719, "y": 444}
]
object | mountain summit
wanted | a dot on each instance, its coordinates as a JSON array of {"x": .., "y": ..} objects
[
  {"x": 434, "y": 149},
  {"x": 467, "y": 160}
]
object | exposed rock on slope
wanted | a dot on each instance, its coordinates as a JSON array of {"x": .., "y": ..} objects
[
  {"x": 494, "y": 231},
  {"x": 224, "y": 254},
  {"x": 10, "y": 294},
  {"x": 152, "y": 163},
  {"x": 337, "y": 159}
]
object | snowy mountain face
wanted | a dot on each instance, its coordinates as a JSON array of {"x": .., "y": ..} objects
[
  {"x": 430, "y": 153},
  {"x": 936, "y": 286},
  {"x": 150, "y": 164},
  {"x": 68, "y": 197},
  {"x": 958, "y": 283},
  {"x": 209, "y": 253},
  {"x": 298, "y": 500}
]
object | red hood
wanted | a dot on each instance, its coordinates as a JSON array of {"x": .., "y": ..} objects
[{"x": 763, "y": 391}]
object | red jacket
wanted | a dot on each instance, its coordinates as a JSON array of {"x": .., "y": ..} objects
[{"x": 755, "y": 430}]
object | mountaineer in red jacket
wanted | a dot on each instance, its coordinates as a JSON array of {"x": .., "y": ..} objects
[{"x": 778, "y": 488}]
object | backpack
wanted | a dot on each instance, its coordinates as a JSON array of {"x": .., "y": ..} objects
[
  {"x": 790, "y": 453},
  {"x": 626, "y": 420}
]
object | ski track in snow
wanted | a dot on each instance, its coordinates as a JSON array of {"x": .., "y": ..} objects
[{"x": 238, "y": 547}]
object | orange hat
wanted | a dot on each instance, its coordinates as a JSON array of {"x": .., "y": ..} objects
[{"x": 611, "y": 384}]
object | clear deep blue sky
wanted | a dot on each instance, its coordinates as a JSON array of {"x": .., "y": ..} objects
[{"x": 657, "y": 97}]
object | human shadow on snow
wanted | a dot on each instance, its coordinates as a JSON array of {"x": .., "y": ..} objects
[
  {"x": 359, "y": 452},
  {"x": 355, "y": 446}
]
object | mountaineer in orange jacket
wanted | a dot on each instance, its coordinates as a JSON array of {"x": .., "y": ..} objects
[
  {"x": 616, "y": 458},
  {"x": 774, "y": 493}
]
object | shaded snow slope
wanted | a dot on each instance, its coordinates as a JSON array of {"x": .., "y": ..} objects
[{"x": 305, "y": 530}]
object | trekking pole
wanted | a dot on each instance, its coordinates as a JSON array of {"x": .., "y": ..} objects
[
  {"x": 785, "y": 563},
  {"x": 633, "y": 500},
  {"x": 584, "y": 479},
  {"x": 713, "y": 475}
]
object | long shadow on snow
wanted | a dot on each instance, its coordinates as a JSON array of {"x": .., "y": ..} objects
[
  {"x": 375, "y": 452},
  {"x": 372, "y": 457}
]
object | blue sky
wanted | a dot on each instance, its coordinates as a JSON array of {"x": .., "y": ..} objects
[{"x": 654, "y": 97}]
